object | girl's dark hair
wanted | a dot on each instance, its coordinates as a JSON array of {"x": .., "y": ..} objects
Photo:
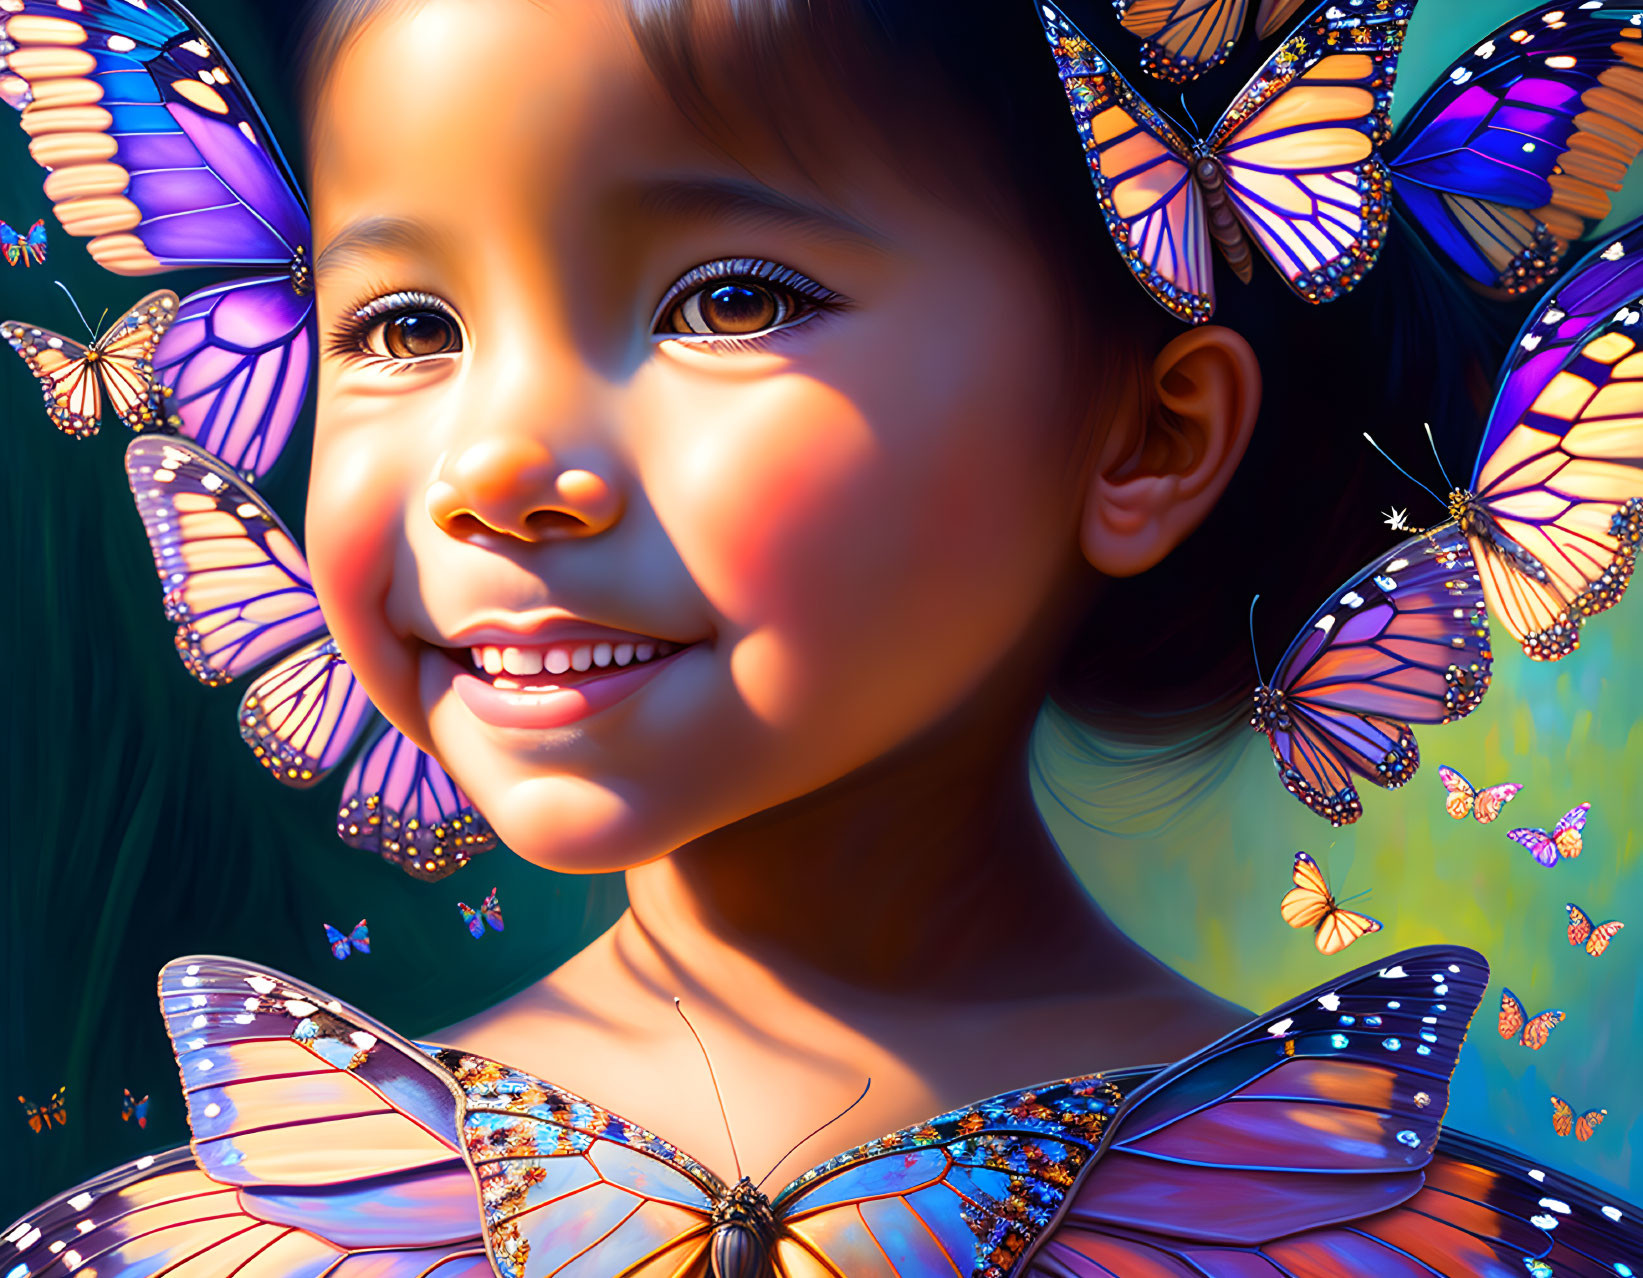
[{"x": 1164, "y": 655}]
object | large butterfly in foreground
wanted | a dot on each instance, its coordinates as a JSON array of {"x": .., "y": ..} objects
[
  {"x": 1293, "y": 164},
  {"x": 158, "y": 155},
  {"x": 1564, "y": 1120},
  {"x": 1461, "y": 799},
  {"x": 1514, "y": 152},
  {"x": 1530, "y": 1031},
  {"x": 1565, "y": 839},
  {"x": 239, "y": 591},
  {"x": 1403, "y": 642},
  {"x": 1311, "y": 904},
  {"x": 1182, "y": 39},
  {"x": 29, "y": 249},
  {"x": 1594, "y": 936},
  {"x": 73, "y": 378}
]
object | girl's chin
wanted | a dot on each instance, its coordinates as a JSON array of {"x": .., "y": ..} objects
[{"x": 567, "y": 824}]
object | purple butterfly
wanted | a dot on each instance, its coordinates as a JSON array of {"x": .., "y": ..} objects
[
  {"x": 357, "y": 941},
  {"x": 238, "y": 589},
  {"x": 184, "y": 173},
  {"x": 1564, "y": 840},
  {"x": 1405, "y": 641},
  {"x": 488, "y": 912},
  {"x": 27, "y": 249},
  {"x": 1514, "y": 151}
]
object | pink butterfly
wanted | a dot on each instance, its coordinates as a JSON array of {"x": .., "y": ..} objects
[{"x": 1463, "y": 801}]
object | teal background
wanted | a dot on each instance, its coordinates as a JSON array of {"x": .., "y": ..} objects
[{"x": 137, "y": 829}]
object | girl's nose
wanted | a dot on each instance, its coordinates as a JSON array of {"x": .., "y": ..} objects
[{"x": 514, "y": 485}]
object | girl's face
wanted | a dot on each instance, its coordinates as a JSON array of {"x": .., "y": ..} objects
[{"x": 655, "y": 486}]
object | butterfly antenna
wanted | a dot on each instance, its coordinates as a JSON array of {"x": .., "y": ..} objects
[
  {"x": 1401, "y": 470},
  {"x": 1439, "y": 456},
  {"x": 1356, "y": 896},
  {"x": 76, "y": 306},
  {"x": 815, "y": 1133},
  {"x": 1188, "y": 111},
  {"x": 718, "y": 1095},
  {"x": 1253, "y": 650}
]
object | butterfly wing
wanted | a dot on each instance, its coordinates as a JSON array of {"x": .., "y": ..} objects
[
  {"x": 399, "y": 803},
  {"x": 11, "y": 244},
  {"x": 1182, "y": 39},
  {"x": 1538, "y": 842},
  {"x": 1539, "y": 1028},
  {"x": 1580, "y": 927},
  {"x": 472, "y": 919},
  {"x": 1273, "y": 14},
  {"x": 128, "y": 1106},
  {"x": 1142, "y": 170},
  {"x": 1323, "y": 1112},
  {"x": 37, "y": 242},
  {"x": 340, "y": 945},
  {"x": 492, "y": 911},
  {"x": 1563, "y": 1117},
  {"x": 1489, "y": 801},
  {"x": 1515, "y": 151},
  {"x": 1566, "y": 835},
  {"x": 303, "y": 715},
  {"x": 141, "y": 1112},
  {"x": 234, "y": 581},
  {"x": 1339, "y": 928},
  {"x": 1309, "y": 900},
  {"x": 1588, "y": 1122},
  {"x": 1299, "y": 146},
  {"x": 73, "y": 400},
  {"x": 1601, "y": 936},
  {"x": 1402, "y": 642},
  {"x": 1512, "y": 1015},
  {"x": 361, "y": 937},
  {"x": 1458, "y": 793},
  {"x": 125, "y": 361}
]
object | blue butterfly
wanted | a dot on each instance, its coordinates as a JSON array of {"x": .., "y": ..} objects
[
  {"x": 341, "y": 946},
  {"x": 27, "y": 249},
  {"x": 205, "y": 186},
  {"x": 1513, "y": 153}
]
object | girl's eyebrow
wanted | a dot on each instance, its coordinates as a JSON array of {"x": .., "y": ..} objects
[
  {"x": 357, "y": 238},
  {"x": 733, "y": 199}
]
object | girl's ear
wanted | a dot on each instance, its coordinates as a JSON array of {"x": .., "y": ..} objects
[{"x": 1169, "y": 454}]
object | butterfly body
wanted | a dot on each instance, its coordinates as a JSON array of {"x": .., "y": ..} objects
[
  {"x": 744, "y": 1227},
  {"x": 28, "y": 249}
]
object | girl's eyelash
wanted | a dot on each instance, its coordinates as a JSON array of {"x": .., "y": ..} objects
[
  {"x": 818, "y": 299},
  {"x": 347, "y": 339}
]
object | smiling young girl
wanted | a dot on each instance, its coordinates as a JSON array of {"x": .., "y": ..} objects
[{"x": 731, "y": 424}]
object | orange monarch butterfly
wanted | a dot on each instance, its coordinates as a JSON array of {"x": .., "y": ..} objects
[
  {"x": 1310, "y": 904},
  {"x": 1563, "y": 1119},
  {"x": 1182, "y": 39},
  {"x": 73, "y": 377},
  {"x": 41, "y": 1117},
  {"x": 1463, "y": 801},
  {"x": 1534, "y": 1030},
  {"x": 1582, "y": 931}
]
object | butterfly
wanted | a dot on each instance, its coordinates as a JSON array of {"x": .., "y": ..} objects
[
  {"x": 1293, "y": 164},
  {"x": 488, "y": 912},
  {"x": 1463, "y": 801},
  {"x": 131, "y": 1107},
  {"x": 1563, "y": 841},
  {"x": 1563, "y": 1119},
  {"x": 176, "y": 167},
  {"x": 342, "y": 946},
  {"x": 1582, "y": 931},
  {"x": 41, "y": 1117},
  {"x": 1534, "y": 1030},
  {"x": 1310, "y": 904},
  {"x": 73, "y": 378},
  {"x": 238, "y": 589},
  {"x": 1182, "y": 39},
  {"x": 1513, "y": 152},
  {"x": 27, "y": 249},
  {"x": 1404, "y": 641}
]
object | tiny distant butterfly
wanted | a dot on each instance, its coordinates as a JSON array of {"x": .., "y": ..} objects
[
  {"x": 73, "y": 378},
  {"x": 1532, "y": 1032},
  {"x": 132, "y": 1108},
  {"x": 1292, "y": 167},
  {"x": 1403, "y": 642},
  {"x": 1564, "y": 1120},
  {"x": 1582, "y": 931},
  {"x": 1310, "y": 904},
  {"x": 1563, "y": 841},
  {"x": 1463, "y": 801},
  {"x": 488, "y": 912},
  {"x": 341, "y": 946},
  {"x": 1182, "y": 39},
  {"x": 41, "y": 1117},
  {"x": 27, "y": 249}
]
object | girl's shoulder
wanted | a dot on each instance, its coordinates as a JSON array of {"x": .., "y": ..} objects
[{"x": 1307, "y": 1140}]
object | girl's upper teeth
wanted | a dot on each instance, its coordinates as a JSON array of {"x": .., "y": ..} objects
[{"x": 558, "y": 658}]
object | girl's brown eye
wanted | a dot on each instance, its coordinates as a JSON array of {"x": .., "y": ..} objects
[
  {"x": 416, "y": 335},
  {"x": 733, "y": 308}
]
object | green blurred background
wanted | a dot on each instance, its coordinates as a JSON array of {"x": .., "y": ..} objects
[{"x": 138, "y": 830}]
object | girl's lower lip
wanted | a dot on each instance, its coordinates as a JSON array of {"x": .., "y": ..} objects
[{"x": 557, "y": 707}]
